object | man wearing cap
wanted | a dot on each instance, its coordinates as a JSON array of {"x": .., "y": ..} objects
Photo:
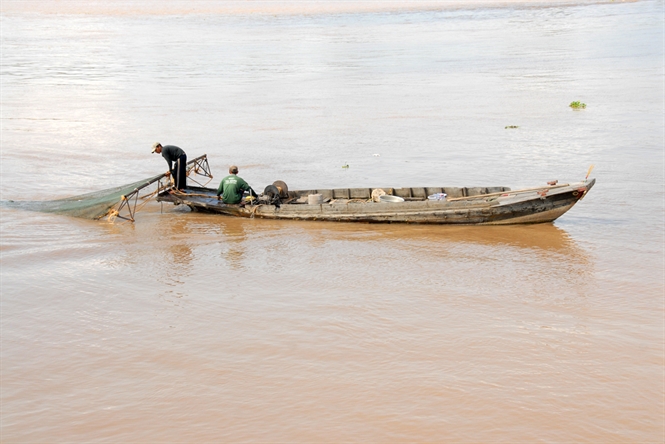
[
  {"x": 177, "y": 161},
  {"x": 232, "y": 187}
]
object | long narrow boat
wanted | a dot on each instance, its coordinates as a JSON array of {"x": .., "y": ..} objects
[{"x": 422, "y": 205}]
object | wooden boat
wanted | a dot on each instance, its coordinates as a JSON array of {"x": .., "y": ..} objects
[{"x": 475, "y": 205}]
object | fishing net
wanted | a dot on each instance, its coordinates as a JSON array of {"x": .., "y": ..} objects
[
  {"x": 89, "y": 206},
  {"x": 112, "y": 201}
]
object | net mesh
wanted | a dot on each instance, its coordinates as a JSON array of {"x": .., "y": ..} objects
[{"x": 89, "y": 206}]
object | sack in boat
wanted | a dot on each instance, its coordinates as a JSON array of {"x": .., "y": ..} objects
[{"x": 377, "y": 193}]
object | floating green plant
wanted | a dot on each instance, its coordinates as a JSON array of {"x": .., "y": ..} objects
[
  {"x": 577, "y": 105},
  {"x": 345, "y": 165}
]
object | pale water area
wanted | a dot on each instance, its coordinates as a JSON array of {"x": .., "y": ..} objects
[{"x": 186, "y": 327}]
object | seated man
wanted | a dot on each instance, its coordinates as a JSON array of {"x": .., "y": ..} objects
[{"x": 232, "y": 187}]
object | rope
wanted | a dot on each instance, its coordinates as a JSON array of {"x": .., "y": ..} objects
[
  {"x": 148, "y": 196},
  {"x": 113, "y": 214},
  {"x": 139, "y": 207},
  {"x": 254, "y": 210}
]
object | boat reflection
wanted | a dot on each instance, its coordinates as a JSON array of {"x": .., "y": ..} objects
[
  {"x": 233, "y": 237},
  {"x": 546, "y": 237},
  {"x": 193, "y": 243},
  {"x": 212, "y": 238}
]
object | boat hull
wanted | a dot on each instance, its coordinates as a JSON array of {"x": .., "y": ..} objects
[{"x": 528, "y": 206}]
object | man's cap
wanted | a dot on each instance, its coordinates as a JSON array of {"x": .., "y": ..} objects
[{"x": 155, "y": 145}]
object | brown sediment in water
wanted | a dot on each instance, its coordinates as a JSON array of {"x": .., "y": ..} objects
[
  {"x": 266, "y": 7},
  {"x": 200, "y": 328}
]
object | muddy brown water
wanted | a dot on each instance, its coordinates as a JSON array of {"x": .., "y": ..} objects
[{"x": 188, "y": 327}]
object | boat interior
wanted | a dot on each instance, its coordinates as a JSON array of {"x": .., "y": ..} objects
[{"x": 365, "y": 194}]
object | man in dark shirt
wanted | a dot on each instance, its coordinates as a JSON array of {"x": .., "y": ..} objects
[
  {"x": 232, "y": 187},
  {"x": 177, "y": 162}
]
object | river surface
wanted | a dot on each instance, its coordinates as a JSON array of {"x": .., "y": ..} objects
[{"x": 186, "y": 327}]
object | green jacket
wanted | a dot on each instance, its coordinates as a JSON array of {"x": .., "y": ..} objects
[{"x": 231, "y": 189}]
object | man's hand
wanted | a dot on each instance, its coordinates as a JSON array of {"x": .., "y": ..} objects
[
  {"x": 219, "y": 197},
  {"x": 167, "y": 174}
]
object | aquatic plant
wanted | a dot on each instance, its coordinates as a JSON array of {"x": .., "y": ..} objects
[{"x": 577, "y": 105}]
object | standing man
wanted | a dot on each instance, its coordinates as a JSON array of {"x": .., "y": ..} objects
[
  {"x": 177, "y": 161},
  {"x": 232, "y": 187}
]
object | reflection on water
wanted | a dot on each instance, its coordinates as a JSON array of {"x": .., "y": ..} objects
[
  {"x": 233, "y": 237},
  {"x": 503, "y": 257},
  {"x": 179, "y": 256},
  {"x": 540, "y": 236}
]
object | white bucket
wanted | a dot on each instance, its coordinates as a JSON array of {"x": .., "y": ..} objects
[{"x": 315, "y": 199}]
